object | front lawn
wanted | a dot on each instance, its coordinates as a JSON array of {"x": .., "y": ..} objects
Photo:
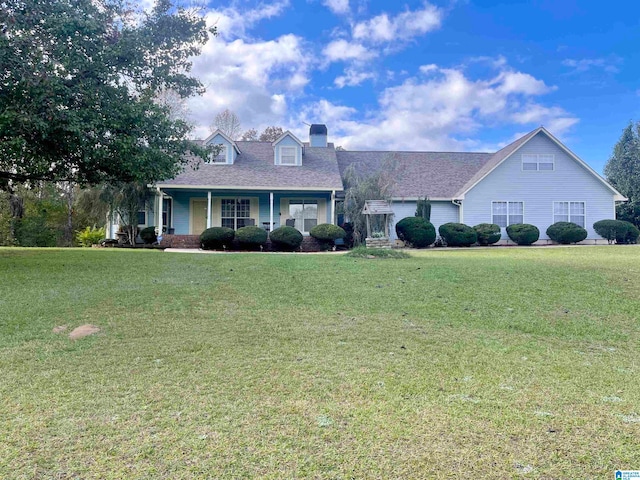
[{"x": 484, "y": 363}]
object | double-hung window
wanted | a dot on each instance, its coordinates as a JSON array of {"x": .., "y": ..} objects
[
  {"x": 538, "y": 161},
  {"x": 569, "y": 212},
  {"x": 288, "y": 155},
  {"x": 220, "y": 157},
  {"x": 304, "y": 213},
  {"x": 236, "y": 212},
  {"x": 507, "y": 213}
]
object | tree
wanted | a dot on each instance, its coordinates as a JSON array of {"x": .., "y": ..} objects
[
  {"x": 359, "y": 189},
  {"x": 249, "y": 135},
  {"x": 271, "y": 134},
  {"x": 423, "y": 208},
  {"x": 125, "y": 201},
  {"x": 228, "y": 123},
  {"x": 79, "y": 83},
  {"x": 623, "y": 172}
]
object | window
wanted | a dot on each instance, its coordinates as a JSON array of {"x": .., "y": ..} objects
[
  {"x": 304, "y": 213},
  {"x": 142, "y": 217},
  {"x": 221, "y": 157},
  {"x": 288, "y": 155},
  {"x": 507, "y": 213},
  {"x": 236, "y": 212},
  {"x": 569, "y": 212},
  {"x": 538, "y": 161}
]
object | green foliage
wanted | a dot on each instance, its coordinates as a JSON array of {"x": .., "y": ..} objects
[
  {"x": 416, "y": 231},
  {"x": 348, "y": 229},
  {"x": 623, "y": 172},
  {"x": 627, "y": 234},
  {"x": 251, "y": 237},
  {"x": 488, "y": 233},
  {"x": 80, "y": 80},
  {"x": 126, "y": 200},
  {"x": 424, "y": 208},
  {"x": 458, "y": 234},
  {"x": 364, "y": 252},
  {"x": 617, "y": 230},
  {"x": 523, "y": 233},
  {"x": 359, "y": 189},
  {"x": 325, "y": 232},
  {"x": 148, "y": 235},
  {"x": 90, "y": 236},
  {"x": 6, "y": 231},
  {"x": 217, "y": 238},
  {"x": 33, "y": 231},
  {"x": 566, "y": 232},
  {"x": 286, "y": 238}
]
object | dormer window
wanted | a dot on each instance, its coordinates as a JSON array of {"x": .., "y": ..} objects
[
  {"x": 538, "y": 162},
  {"x": 288, "y": 155},
  {"x": 220, "y": 156}
]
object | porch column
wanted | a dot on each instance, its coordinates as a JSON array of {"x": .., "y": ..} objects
[
  {"x": 159, "y": 211},
  {"x": 270, "y": 211},
  {"x": 333, "y": 207},
  {"x": 209, "y": 209}
]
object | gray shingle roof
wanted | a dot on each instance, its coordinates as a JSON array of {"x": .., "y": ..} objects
[
  {"x": 435, "y": 174},
  {"x": 255, "y": 168}
]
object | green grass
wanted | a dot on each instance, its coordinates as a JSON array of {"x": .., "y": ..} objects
[{"x": 481, "y": 363}]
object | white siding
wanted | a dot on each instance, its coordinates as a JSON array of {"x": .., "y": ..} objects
[
  {"x": 441, "y": 212},
  {"x": 569, "y": 181}
]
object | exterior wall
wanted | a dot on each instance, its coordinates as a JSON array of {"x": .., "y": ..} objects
[
  {"x": 569, "y": 181},
  {"x": 220, "y": 140},
  {"x": 259, "y": 208},
  {"x": 441, "y": 213},
  {"x": 288, "y": 142}
]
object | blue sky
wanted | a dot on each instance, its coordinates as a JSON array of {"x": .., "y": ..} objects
[{"x": 459, "y": 75}]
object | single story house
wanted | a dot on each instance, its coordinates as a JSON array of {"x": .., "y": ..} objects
[{"x": 536, "y": 179}]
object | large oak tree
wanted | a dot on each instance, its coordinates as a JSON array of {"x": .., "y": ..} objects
[{"x": 79, "y": 81}]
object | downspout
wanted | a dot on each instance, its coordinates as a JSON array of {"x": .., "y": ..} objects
[{"x": 458, "y": 203}]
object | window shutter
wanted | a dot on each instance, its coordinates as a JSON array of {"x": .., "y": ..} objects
[
  {"x": 284, "y": 211},
  {"x": 216, "y": 212},
  {"x": 322, "y": 211},
  {"x": 255, "y": 210}
]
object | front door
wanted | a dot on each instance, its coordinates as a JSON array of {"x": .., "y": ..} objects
[{"x": 198, "y": 216}]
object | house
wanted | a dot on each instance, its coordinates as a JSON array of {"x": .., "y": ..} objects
[{"x": 535, "y": 179}]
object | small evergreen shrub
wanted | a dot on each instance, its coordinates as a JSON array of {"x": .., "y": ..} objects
[
  {"x": 566, "y": 232},
  {"x": 90, "y": 236},
  {"x": 416, "y": 231},
  {"x": 617, "y": 230},
  {"x": 458, "y": 234},
  {"x": 348, "y": 239},
  {"x": 286, "y": 239},
  {"x": 148, "y": 235},
  {"x": 251, "y": 238},
  {"x": 488, "y": 233},
  {"x": 217, "y": 238},
  {"x": 325, "y": 232},
  {"x": 33, "y": 231},
  {"x": 523, "y": 233}
]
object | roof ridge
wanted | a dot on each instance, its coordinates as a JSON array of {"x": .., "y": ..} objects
[{"x": 413, "y": 151}]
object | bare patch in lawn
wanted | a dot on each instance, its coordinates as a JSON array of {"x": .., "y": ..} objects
[{"x": 83, "y": 331}]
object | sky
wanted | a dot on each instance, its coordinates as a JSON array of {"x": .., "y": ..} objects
[{"x": 451, "y": 75}]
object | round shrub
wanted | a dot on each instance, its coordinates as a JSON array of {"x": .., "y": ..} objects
[
  {"x": 148, "y": 235},
  {"x": 523, "y": 233},
  {"x": 488, "y": 233},
  {"x": 325, "y": 232},
  {"x": 416, "y": 231},
  {"x": 566, "y": 232},
  {"x": 617, "y": 230},
  {"x": 251, "y": 237},
  {"x": 458, "y": 234},
  {"x": 285, "y": 238},
  {"x": 217, "y": 238}
]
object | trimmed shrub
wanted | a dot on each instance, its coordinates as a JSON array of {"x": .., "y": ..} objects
[
  {"x": 488, "y": 233},
  {"x": 348, "y": 239},
  {"x": 325, "y": 232},
  {"x": 617, "y": 230},
  {"x": 90, "y": 236},
  {"x": 286, "y": 239},
  {"x": 523, "y": 233},
  {"x": 217, "y": 238},
  {"x": 458, "y": 234},
  {"x": 148, "y": 235},
  {"x": 251, "y": 238},
  {"x": 566, "y": 232},
  {"x": 416, "y": 231}
]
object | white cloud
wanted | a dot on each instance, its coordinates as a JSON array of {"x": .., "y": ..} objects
[
  {"x": 609, "y": 65},
  {"x": 341, "y": 50},
  {"x": 444, "y": 110},
  {"x": 339, "y": 7},
  {"x": 352, "y": 78},
  {"x": 404, "y": 26},
  {"x": 233, "y": 23}
]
